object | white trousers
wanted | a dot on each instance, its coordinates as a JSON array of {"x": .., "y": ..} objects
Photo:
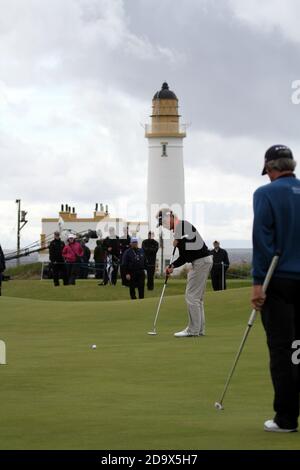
[{"x": 194, "y": 294}]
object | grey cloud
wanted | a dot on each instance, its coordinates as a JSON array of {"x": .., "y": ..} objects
[
  {"x": 39, "y": 172},
  {"x": 236, "y": 80},
  {"x": 230, "y": 79}
]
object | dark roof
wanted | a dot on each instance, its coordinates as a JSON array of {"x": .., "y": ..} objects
[{"x": 165, "y": 93}]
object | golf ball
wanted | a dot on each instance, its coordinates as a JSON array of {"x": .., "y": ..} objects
[
  {"x": 218, "y": 406},
  {"x": 94, "y": 346}
]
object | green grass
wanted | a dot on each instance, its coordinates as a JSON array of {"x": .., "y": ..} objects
[
  {"x": 134, "y": 391},
  {"x": 88, "y": 290}
]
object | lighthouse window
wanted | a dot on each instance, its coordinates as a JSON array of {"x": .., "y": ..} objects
[{"x": 164, "y": 150}]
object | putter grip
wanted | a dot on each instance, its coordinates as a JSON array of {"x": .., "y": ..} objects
[
  {"x": 270, "y": 271},
  {"x": 171, "y": 261}
]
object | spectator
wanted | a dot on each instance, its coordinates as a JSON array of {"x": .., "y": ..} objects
[
  {"x": 84, "y": 267},
  {"x": 134, "y": 263},
  {"x": 220, "y": 266},
  {"x": 192, "y": 249},
  {"x": 150, "y": 247},
  {"x": 57, "y": 261},
  {"x": 2, "y": 266},
  {"x": 124, "y": 245},
  {"x": 112, "y": 249},
  {"x": 72, "y": 254},
  {"x": 99, "y": 258}
]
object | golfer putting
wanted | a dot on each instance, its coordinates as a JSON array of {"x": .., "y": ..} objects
[{"x": 192, "y": 249}]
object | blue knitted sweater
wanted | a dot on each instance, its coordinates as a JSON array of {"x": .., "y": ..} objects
[{"x": 276, "y": 227}]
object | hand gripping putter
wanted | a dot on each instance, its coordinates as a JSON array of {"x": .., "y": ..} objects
[
  {"x": 153, "y": 332},
  {"x": 219, "y": 404}
]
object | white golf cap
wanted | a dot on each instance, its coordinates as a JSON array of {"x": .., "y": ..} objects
[{"x": 71, "y": 236}]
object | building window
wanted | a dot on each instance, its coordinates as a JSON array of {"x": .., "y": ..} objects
[{"x": 164, "y": 149}]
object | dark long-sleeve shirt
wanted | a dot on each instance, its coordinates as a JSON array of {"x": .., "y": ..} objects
[
  {"x": 55, "y": 251},
  {"x": 112, "y": 246},
  {"x": 150, "y": 247},
  {"x": 2, "y": 261},
  {"x": 99, "y": 254},
  {"x": 276, "y": 227},
  {"x": 219, "y": 256},
  {"x": 190, "y": 244},
  {"x": 134, "y": 260}
]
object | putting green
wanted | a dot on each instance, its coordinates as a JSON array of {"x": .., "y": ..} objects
[{"x": 134, "y": 391}]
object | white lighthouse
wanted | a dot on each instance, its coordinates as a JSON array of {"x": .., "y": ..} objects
[{"x": 165, "y": 137}]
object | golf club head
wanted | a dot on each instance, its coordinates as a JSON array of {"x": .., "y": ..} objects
[
  {"x": 152, "y": 333},
  {"x": 219, "y": 406}
]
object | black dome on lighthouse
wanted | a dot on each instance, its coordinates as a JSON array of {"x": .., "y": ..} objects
[{"x": 165, "y": 93}]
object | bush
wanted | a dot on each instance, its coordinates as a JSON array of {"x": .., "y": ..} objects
[
  {"x": 235, "y": 271},
  {"x": 239, "y": 270}
]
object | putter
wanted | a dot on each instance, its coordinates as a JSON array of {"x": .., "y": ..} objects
[
  {"x": 219, "y": 404},
  {"x": 154, "y": 332}
]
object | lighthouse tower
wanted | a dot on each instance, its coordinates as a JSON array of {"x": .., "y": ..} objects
[{"x": 165, "y": 137}]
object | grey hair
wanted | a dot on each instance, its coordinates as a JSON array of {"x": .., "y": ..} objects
[{"x": 281, "y": 164}]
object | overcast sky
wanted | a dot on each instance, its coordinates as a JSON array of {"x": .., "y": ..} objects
[{"x": 76, "y": 82}]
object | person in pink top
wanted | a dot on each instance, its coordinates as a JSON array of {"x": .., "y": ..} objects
[{"x": 72, "y": 254}]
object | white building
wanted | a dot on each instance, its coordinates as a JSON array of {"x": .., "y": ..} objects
[{"x": 68, "y": 221}]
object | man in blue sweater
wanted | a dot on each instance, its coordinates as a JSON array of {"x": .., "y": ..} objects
[{"x": 276, "y": 228}]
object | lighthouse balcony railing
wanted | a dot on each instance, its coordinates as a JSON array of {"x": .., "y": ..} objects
[{"x": 165, "y": 129}]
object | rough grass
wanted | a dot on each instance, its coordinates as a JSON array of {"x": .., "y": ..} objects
[
  {"x": 134, "y": 391},
  {"x": 25, "y": 271}
]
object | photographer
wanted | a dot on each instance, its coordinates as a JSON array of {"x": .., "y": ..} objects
[
  {"x": 99, "y": 258},
  {"x": 111, "y": 246},
  {"x": 150, "y": 247},
  {"x": 124, "y": 245},
  {"x": 84, "y": 268},
  {"x": 57, "y": 261}
]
